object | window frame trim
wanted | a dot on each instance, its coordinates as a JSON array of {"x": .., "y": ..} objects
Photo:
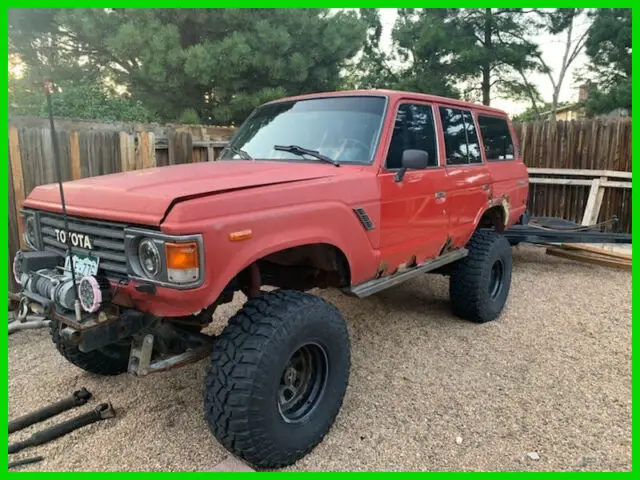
[
  {"x": 409, "y": 101},
  {"x": 484, "y": 153}
]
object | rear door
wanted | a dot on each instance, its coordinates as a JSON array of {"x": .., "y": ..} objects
[
  {"x": 414, "y": 214},
  {"x": 469, "y": 179},
  {"x": 508, "y": 172}
]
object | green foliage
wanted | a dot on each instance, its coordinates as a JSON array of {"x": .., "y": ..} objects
[
  {"x": 371, "y": 68},
  {"x": 90, "y": 102},
  {"x": 426, "y": 45},
  {"x": 493, "y": 48},
  {"x": 189, "y": 117},
  {"x": 216, "y": 65},
  {"x": 537, "y": 112},
  {"x": 474, "y": 53},
  {"x": 609, "y": 51},
  {"x": 219, "y": 63}
]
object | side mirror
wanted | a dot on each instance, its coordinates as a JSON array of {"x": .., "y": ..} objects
[{"x": 414, "y": 160}]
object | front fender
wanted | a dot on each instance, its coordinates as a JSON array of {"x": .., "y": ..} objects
[{"x": 276, "y": 229}]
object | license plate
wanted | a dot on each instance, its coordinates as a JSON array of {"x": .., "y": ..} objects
[{"x": 83, "y": 265}]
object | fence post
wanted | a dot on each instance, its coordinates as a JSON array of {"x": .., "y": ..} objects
[
  {"x": 74, "y": 144},
  {"x": 127, "y": 152},
  {"x": 146, "y": 151},
  {"x": 16, "y": 171}
]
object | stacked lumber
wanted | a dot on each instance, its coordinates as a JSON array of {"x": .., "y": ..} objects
[{"x": 607, "y": 255}]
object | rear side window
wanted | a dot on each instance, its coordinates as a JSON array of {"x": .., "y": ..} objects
[
  {"x": 460, "y": 137},
  {"x": 496, "y": 136},
  {"x": 414, "y": 129}
]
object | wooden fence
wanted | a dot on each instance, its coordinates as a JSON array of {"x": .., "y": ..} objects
[
  {"x": 92, "y": 148},
  {"x": 598, "y": 144}
]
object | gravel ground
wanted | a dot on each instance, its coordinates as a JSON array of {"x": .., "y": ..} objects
[{"x": 427, "y": 391}]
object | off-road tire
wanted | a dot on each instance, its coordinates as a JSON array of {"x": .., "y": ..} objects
[
  {"x": 241, "y": 397},
  {"x": 471, "y": 278},
  {"x": 107, "y": 361}
]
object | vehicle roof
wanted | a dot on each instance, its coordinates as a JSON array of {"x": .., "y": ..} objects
[{"x": 394, "y": 95}]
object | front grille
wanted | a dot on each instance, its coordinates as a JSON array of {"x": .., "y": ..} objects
[{"x": 107, "y": 240}]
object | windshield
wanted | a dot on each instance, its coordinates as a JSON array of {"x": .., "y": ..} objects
[{"x": 345, "y": 129}]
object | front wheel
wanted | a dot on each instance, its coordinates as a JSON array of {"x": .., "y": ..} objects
[
  {"x": 479, "y": 283},
  {"x": 107, "y": 361},
  {"x": 277, "y": 378}
]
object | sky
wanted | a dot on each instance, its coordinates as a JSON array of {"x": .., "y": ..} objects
[{"x": 552, "y": 48}]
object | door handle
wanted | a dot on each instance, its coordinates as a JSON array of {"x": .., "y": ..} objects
[{"x": 440, "y": 194}]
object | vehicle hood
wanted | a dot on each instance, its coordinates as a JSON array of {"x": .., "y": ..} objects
[{"x": 145, "y": 196}]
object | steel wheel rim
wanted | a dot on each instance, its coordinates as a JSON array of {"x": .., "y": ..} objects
[
  {"x": 496, "y": 279},
  {"x": 302, "y": 382}
]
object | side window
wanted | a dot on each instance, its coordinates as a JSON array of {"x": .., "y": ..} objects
[
  {"x": 460, "y": 136},
  {"x": 496, "y": 136},
  {"x": 414, "y": 129}
]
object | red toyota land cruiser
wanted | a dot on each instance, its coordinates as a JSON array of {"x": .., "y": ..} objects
[{"x": 355, "y": 190}]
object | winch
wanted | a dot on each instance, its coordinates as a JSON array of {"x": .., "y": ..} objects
[{"x": 41, "y": 273}]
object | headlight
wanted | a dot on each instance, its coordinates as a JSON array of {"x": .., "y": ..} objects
[
  {"x": 30, "y": 234},
  {"x": 174, "y": 261},
  {"x": 149, "y": 257}
]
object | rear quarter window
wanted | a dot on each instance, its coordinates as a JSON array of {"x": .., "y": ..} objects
[{"x": 496, "y": 136}]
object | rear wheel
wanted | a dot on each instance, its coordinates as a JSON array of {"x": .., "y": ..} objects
[
  {"x": 479, "y": 284},
  {"x": 277, "y": 378},
  {"x": 108, "y": 361}
]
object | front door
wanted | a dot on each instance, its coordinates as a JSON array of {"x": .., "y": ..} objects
[{"x": 414, "y": 217}]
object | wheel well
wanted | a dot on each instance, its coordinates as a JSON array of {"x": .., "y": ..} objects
[
  {"x": 494, "y": 218},
  {"x": 297, "y": 268}
]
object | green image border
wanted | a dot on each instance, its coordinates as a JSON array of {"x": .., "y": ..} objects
[{"x": 351, "y": 4}]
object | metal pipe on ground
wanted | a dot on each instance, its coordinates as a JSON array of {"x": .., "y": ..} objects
[
  {"x": 102, "y": 412},
  {"x": 30, "y": 325},
  {"x": 76, "y": 399},
  {"x": 25, "y": 461}
]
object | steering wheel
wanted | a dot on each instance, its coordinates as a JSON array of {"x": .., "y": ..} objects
[
  {"x": 359, "y": 144},
  {"x": 356, "y": 141}
]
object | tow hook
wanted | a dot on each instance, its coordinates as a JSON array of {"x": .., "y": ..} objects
[{"x": 102, "y": 412}]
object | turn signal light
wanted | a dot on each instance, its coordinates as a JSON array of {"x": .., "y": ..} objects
[
  {"x": 183, "y": 262},
  {"x": 241, "y": 235}
]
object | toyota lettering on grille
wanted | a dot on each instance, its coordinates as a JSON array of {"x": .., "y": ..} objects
[{"x": 77, "y": 239}]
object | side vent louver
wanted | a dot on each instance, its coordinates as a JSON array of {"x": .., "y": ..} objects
[{"x": 364, "y": 218}]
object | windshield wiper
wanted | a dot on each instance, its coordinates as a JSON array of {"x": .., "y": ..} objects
[
  {"x": 298, "y": 150},
  {"x": 238, "y": 151}
]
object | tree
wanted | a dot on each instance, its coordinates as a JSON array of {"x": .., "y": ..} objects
[
  {"x": 371, "y": 67},
  {"x": 608, "y": 47},
  {"x": 557, "y": 22},
  {"x": 494, "y": 49},
  {"x": 219, "y": 63},
  {"x": 482, "y": 50},
  {"x": 419, "y": 54},
  {"x": 425, "y": 43}
]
